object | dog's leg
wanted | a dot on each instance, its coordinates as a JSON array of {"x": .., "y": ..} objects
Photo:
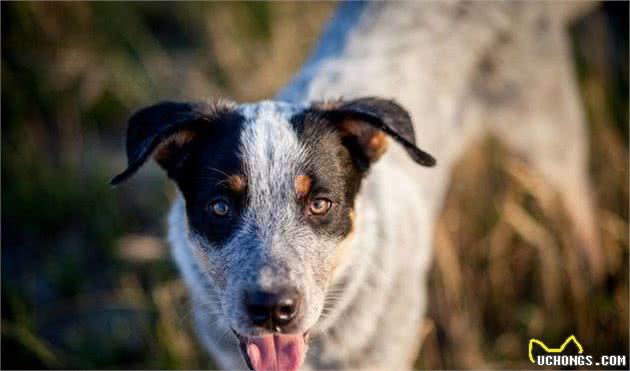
[{"x": 525, "y": 94}]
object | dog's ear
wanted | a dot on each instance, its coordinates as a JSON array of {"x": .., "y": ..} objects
[
  {"x": 363, "y": 124},
  {"x": 165, "y": 131}
]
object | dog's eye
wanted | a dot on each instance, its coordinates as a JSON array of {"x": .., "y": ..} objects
[
  {"x": 320, "y": 206},
  {"x": 219, "y": 207}
]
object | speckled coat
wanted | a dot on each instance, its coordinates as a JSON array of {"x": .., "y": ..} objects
[{"x": 461, "y": 70}]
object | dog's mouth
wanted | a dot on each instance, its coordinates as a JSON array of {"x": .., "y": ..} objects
[{"x": 273, "y": 352}]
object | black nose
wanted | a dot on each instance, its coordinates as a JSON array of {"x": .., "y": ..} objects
[{"x": 274, "y": 311}]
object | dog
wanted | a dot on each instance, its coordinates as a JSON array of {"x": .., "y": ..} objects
[{"x": 303, "y": 224}]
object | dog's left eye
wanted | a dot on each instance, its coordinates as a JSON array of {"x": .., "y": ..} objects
[
  {"x": 320, "y": 206},
  {"x": 219, "y": 208}
]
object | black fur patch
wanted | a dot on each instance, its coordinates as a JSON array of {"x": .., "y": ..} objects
[
  {"x": 332, "y": 171},
  {"x": 204, "y": 179},
  {"x": 199, "y": 160}
]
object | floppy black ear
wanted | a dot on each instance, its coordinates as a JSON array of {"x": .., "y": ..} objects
[
  {"x": 163, "y": 130},
  {"x": 364, "y": 122}
]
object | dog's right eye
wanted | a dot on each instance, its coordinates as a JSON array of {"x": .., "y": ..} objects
[
  {"x": 219, "y": 207},
  {"x": 320, "y": 206}
]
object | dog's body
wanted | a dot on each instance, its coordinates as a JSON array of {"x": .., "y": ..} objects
[{"x": 461, "y": 69}]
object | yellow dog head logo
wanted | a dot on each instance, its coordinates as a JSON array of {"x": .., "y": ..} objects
[{"x": 554, "y": 350}]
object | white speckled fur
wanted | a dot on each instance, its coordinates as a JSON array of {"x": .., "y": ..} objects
[{"x": 431, "y": 57}]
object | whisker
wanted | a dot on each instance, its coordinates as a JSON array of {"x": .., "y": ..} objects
[{"x": 217, "y": 170}]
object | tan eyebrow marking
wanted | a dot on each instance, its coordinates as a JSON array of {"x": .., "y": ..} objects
[
  {"x": 302, "y": 185},
  {"x": 236, "y": 183}
]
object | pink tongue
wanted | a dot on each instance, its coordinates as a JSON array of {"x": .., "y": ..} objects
[{"x": 276, "y": 352}]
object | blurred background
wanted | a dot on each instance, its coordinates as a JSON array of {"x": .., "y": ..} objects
[{"x": 87, "y": 280}]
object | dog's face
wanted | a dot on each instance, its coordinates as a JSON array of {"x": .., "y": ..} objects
[{"x": 269, "y": 190}]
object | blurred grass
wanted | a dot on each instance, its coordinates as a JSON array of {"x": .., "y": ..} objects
[
  {"x": 86, "y": 277},
  {"x": 504, "y": 263}
]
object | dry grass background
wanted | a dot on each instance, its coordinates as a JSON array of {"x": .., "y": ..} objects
[{"x": 86, "y": 277}]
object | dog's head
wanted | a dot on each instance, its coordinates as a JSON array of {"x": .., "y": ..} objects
[{"x": 269, "y": 190}]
